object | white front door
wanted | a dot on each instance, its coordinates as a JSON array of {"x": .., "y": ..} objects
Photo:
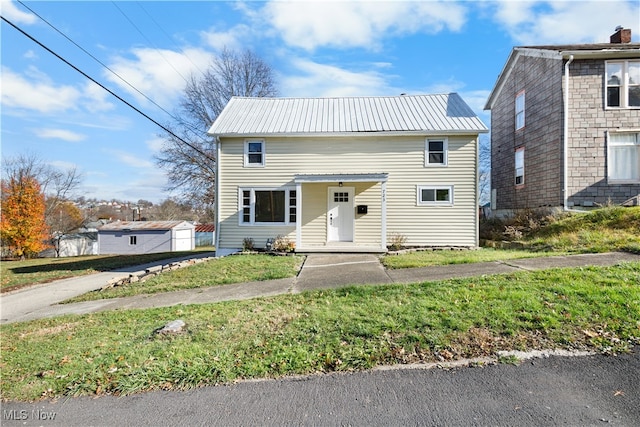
[{"x": 340, "y": 215}]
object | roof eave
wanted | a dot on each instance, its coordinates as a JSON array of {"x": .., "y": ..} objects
[
  {"x": 346, "y": 134},
  {"x": 604, "y": 53}
]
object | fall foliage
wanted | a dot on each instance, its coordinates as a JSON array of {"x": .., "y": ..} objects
[{"x": 23, "y": 226}]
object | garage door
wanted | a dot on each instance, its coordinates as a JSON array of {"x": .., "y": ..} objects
[{"x": 183, "y": 240}]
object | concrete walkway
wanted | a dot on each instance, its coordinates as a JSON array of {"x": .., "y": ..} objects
[{"x": 320, "y": 271}]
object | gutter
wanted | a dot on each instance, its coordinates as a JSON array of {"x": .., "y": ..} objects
[
  {"x": 565, "y": 137},
  {"x": 216, "y": 204}
]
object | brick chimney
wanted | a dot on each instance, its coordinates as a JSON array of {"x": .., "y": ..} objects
[{"x": 622, "y": 35}]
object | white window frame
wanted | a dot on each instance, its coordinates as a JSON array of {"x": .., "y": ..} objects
[
  {"x": 133, "y": 240},
  {"x": 445, "y": 153},
  {"x": 290, "y": 206},
  {"x": 520, "y": 110},
  {"x": 624, "y": 85},
  {"x": 611, "y": 145},
  {"x": 247, "y": 143},
  {"x": 519, "y": 167},
  {"x": 435, "y": 188}
]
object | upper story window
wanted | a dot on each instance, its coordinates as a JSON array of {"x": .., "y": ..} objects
[
  {"x": 436, "y": 152},
  {"x": 624, "y": 156},
  {"x": 254, "y": 152},
  {"x": 519, "y": 166},
  {"x": 520, "y": 110},
  {"x": 623, "y": 84}
]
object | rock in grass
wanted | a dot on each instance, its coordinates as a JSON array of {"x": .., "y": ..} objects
[{"x": 173, "y": 327}]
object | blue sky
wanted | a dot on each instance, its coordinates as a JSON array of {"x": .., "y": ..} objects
[{"x": 326, "y": 48}]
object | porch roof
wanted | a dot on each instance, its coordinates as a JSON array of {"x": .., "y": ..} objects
[{"x": 342, "y": 177}]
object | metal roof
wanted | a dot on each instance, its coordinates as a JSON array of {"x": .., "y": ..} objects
[
  {"x": 143, "y": 225},
  {"x": 446, "y": 113}
]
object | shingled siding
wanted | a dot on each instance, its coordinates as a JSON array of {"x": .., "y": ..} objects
[
  {"x": 541, "y": 137},
  {"x": 588, "y": 123}
]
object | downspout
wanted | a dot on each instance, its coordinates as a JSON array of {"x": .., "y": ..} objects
[
  {"x": 216, "y": 204},
  {"x": 565, "y": 169}
]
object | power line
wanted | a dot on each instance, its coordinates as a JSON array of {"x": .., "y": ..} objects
[
  {"x": 169, "y": 37},
  {"x": 108, "y": 90},
  {"x": 150, "y": 42},
  {"x": 186, "y": 124}
]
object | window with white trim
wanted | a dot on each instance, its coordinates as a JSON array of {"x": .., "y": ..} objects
[
  {"x": 268, "y": 206},
  {"x": 624, "y": 156},
  {"x": 520, "y": 110},
  {"x": 623, "y": 84},
  {"x": 254, "y": 153},
  {"x": 519, "y": 166},
  {"x": 435, "y": 195},
  {"x": 435, "y": 152},
  {"x": 133, "y": 240}
]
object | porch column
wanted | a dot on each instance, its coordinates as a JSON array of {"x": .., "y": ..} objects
[
  {"x": 383, "y": 203},
  {"x": 298, "y": 214}
]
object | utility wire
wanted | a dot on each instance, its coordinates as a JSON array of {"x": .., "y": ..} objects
[
  {"x": 186, "y": 124},
  {"x": 108, "y": 90},
  {"x": 149, "y": 41},
  {"x": 169, "y": 37}
]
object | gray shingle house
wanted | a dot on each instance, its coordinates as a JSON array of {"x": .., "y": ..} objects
[{"x": 565, "y": 126}]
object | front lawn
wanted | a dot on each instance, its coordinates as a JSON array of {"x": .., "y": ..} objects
[
  {"x": 17, "y": 274},
  {"x": 347, "y": 329},
  {"x": 215, "y": 272}
]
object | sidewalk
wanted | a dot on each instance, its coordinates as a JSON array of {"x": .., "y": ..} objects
[{"x": 320, "y": 271}]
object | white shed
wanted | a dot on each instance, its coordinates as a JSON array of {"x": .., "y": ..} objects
[{"x": 145, "y": 237}]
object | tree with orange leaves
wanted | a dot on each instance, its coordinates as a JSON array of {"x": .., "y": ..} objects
[{"x": 22, "y": 226}]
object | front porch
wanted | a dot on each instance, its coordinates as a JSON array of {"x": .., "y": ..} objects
[{"x": 341, "y": 213}]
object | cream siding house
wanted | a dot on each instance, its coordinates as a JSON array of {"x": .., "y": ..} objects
[{"x": 347, "y": 174}]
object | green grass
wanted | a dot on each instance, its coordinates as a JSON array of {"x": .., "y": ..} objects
[
  {"x": 337, "y": 330},
  {"x": 17, "y": 274},
  {"x": 215, "y": 272},
  {"x": 445, "y": 257},
  {"x": 606, "y": 229}
]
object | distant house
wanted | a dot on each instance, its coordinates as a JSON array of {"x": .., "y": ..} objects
[
  {"x": 73, "y": 244},
  {"x": 205, "y": 235},
  {"x": 143, "y": 237},
  {"x": 347, "y": 174},
  {"x": 565, "y": 126}
]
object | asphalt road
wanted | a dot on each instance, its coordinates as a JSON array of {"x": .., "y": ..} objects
[{"x": 571, "y": 391}]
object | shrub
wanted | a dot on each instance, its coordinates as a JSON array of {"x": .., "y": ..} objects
[
  {"x": 248, "y": 244},
  {"x": 283, "y": 244},
  {"x": 397, "y": 241}
]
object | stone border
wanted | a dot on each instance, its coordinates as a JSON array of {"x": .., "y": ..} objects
[{"x": 150, "y": 272}]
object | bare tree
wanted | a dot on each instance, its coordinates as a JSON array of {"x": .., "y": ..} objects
[
  {"x": 190, "y": 166},
  {"x": 484, "y": 170}
]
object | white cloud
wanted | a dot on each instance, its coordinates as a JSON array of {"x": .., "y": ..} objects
[
  {"x": 564, "y": 22},
  {"x": 96, "y": 98},
  {"x": 38, "y": 93},
  {"x": 15, "y": 15},
  {"x": 155, "y": 144},
  {"x": 131, "y": 160},
  {"x": 59, "y": 164},
  {"x": 159, "y": 74},
  {"x": 311, "y": 79},
  {"x": 62, "y": 134},
  {"x": 311, "y": 24},
  {"x": 230, "y": 39}
]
